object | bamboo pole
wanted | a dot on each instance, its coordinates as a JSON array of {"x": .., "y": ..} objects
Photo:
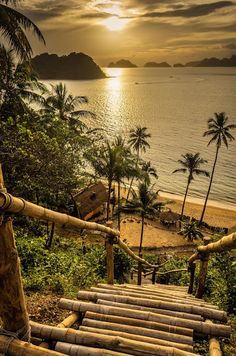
[
  {"x": 152, "y": 310},
  {"x": 97, "y": 329},
  {"x": 150, "y": 291},
  {"x": 192, "y": 309},
  {"x": 141, "y": 331},
  {"x": 172, "y": 329},
  {"x": 15, "y": 205},
  {"x": 204, "y": 258},
  {"x": 224, "y": 244},
  {"x": 78, "y": 350},
  {"x": 13, "y": 347},
  {"x": 191, "y": 269},
  {"x": 197, "y": 326},
  {"x": 110, "y": 255},
  {"x": 12, "y": 302},
  {"x": 114, "y": 343},
  {"x": 66, "y": 323},
  {"x": 152, "y": 297},
  {"x": 214, "y": 345}
]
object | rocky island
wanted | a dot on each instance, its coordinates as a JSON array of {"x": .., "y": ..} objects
[
  {"x": 78, "y": 66},
  {"x": 214, "y": 62},
  {"x": 157, "y": 65},
  {"x": 122, "y": 63}
]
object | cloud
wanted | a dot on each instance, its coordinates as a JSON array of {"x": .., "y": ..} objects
[
  {"x": 191, "y": 11},
  {"x": 96, "y": 15}
]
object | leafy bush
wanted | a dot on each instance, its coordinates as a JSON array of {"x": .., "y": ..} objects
[{"x": 63, "y": 268}]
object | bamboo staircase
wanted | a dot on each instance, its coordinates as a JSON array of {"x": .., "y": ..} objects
[{"x": 108, "y": 319}]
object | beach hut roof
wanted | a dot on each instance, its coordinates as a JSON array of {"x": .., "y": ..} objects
[
  {"x": 169, "y": 216},
  {"x": 90, "y": 198}
]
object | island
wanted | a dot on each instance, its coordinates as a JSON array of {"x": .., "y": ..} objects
[
  {"x": 214, "y": 62},
  {"x": 75, "y": 66},
  {"x": 178, "y": 65},
  {"x": 158, "y": 65},
  {"x": 122, "y": 63}
]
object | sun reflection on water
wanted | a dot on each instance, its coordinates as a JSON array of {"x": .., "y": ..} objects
[{"x": 114, "y": 88}]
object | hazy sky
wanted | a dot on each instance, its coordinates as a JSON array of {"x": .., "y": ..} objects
[{"x": 138, "y": 30}]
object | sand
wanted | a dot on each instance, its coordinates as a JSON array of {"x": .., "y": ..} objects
[{"x": 156, "y": 236}]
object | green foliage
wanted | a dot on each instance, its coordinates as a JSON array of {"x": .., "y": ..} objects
[
  {"x": 221, "y": 281},
  {"x": 191, "y": 231},
  {"x": 178, "y": 278},
  {"x": 64, "y": 269}
]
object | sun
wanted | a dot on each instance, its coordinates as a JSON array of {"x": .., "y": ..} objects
[{"x": 114, "y": 23}]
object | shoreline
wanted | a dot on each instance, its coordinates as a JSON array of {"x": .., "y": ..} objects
[
  {"x": 217, "y": 214},
  {"x": 197, "y": 201}
]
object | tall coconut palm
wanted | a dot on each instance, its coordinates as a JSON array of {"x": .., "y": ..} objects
[
  {"x": 144, "y": 201},
  {"x": 19, "y": 85},
  {"x": 105, "y": 165},
  {"x": 63, "y": 105},
  {"x": 138, "y": 142},
  {"x": 219, "y": 132},
  {"x": 13, "y": 25},
  {"x": 147, "y": 171},
  {"x": 191, "y": 164},
  {"x": 124, "y": 168}
]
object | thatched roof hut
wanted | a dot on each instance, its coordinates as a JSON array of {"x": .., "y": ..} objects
[
  {"x": 169, "y": 217},
  {"x": 90, "y": 200}
]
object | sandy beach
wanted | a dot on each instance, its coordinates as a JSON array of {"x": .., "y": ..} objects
[{"x": 156, "y": 236}]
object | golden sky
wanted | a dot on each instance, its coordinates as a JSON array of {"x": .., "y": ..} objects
[{"x": 138, "y": 30}]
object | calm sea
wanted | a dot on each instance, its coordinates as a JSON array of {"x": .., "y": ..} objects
[{"x": 174, "y": 104}]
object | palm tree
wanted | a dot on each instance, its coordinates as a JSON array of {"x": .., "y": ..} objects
[
  {"x": 138, "y": 141},
  {"x": 105, "y": 165},
  {"x": 13, "y": 25},
  {"x": 124, "y": 168},
  {"x": 191, "y": 231},
  {"x": 145, "y": 203},
  {"x": 190, "y": 163},
  {"x": 148, "y": 171},
  {"x": 63, "y": 105},
  {"x": 219, "y": 132},
  {"x": 19, "y": 85}
]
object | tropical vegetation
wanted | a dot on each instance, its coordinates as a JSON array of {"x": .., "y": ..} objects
[
  {"x": 191, "y": 164},
  {"x": 219, "y": 131},
  {"x": 13, "y": 26}
]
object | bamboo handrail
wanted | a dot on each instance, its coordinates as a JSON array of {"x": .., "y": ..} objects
[
  {"x": 225, "y": 243},
  {"x": 11, "y": 204}
]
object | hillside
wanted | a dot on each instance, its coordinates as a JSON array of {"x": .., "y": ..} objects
[
  {"x": 122, "y": 63},
  {"x": 214, "y": 62},
  {"x": 73, "y": 66},
  {"x": 158, "y": 65}
]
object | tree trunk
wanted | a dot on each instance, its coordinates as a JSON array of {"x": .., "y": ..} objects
[
  {"x": 209, "y": 188},
  {"x": 49, "y": 241},
  {"x": 140, "y": 253},
  {"x": 185, "y": 196},
  {"x": 118, "y": 215},
  {"x": 108, "y": 199},
  {"x": 131, "y": 183}
]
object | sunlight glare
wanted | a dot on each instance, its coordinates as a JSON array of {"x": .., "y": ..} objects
[{"x": 114, "y": 23}]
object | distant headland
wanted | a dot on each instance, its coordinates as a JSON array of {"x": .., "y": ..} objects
[
  {"x": 78, "y": 66},
  {"x": 122, "y": 63},
  {"x": 157, "y": 65},
  {"x": 206, "y": 62}
]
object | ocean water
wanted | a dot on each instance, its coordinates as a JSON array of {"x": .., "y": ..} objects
[{"x": 174, "y": 104}]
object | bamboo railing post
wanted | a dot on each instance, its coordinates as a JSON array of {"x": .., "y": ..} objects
[
  {"x": 154, "y": 275},
  {"x": 12, "y": 302},
  {"x": 204, "y": 257},
  {"x": 140, "y": 267},
  {"x": 191, "y": 270},
  {"x": 110, "y": 254}
]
